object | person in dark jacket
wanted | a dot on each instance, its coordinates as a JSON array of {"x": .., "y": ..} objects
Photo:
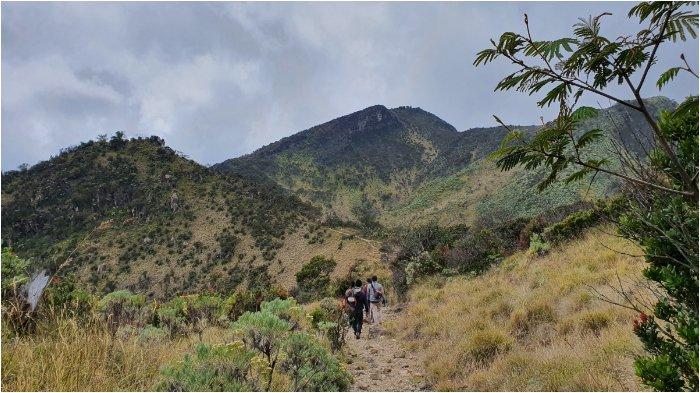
[{"x": 361, "y": 303}]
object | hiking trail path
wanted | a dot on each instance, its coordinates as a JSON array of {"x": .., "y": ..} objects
[{"x": 380, "y": 364}]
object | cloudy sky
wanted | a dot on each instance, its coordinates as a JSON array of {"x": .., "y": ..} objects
[{"x": 218, "y": 80}]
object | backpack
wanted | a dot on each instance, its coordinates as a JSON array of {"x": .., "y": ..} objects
[
  {"x": 350, "y": 300},
  {"x": 379, "y": 296}
]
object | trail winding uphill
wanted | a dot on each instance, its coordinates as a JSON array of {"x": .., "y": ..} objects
[{"x": 380, "y": 364}]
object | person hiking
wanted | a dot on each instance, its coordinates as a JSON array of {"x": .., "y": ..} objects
[
  {"x": 376, "y": 300},
  {"x": 356, "y": 302},
  {"x": 365, "y": 289}
]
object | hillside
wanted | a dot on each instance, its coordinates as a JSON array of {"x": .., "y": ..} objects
[
  {"x": 134, "y": 214},
  {"x": 530, "y": 323},
  {"x": 406, "y": 164}
]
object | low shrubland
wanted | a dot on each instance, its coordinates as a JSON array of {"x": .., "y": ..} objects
[
  {"x": 250, "y": 340},
  {"x": 530, "y": 323}
]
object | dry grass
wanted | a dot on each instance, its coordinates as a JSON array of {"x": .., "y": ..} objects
[
  {"x": 529, "y": 324},
  {"x": 66, "y": 356}
]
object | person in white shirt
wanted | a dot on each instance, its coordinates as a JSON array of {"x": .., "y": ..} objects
[{"x": 376, "y": 300}]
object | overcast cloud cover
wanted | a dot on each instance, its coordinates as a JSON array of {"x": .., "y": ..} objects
[{"x": 218, "y": 80}]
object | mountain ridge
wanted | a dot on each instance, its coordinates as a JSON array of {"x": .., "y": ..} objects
[{"x": 375, "y": 159}]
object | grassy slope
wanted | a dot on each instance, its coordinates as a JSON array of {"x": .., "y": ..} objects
[{"x": 530, "y": 323}]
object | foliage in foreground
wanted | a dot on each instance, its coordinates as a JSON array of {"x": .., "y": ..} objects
[
  {"x": 271, "y": 351},
  {"x": 239, "y": 342},
  {"x": 661, "y": 179}
]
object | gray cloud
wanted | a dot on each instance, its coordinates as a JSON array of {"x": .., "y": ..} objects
[{"x": 218, "y": 80}]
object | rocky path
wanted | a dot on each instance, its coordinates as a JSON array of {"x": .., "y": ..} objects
[{"x": 380, "y": 364}]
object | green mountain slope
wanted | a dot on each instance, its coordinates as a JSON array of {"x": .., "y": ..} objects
[
  {"x": 406, "y": 165},
  {"x": 136, "y": 215}
]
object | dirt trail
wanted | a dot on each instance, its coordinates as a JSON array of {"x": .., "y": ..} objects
[{"x": 380, "y": 364}]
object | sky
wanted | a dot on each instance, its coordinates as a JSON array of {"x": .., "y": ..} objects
[{"x": 219, "y": 80}]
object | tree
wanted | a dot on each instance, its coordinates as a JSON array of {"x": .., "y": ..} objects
[
  {"x": 589, "y": 63},
  {"x": 660, "y": 211}
]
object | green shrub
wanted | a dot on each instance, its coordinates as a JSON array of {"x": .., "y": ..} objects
[
  {"x": 151, "y": 333},
  {"x": 310, "y": 367},
  {"x": 332, "y": 321},
  {"x": 192, "y": 313},
  {"x": 15, "y": 272},
  {"x": 538, "y": 246},
  {"x": 285, "y": 309},
  {"x": 120, "y": 308},
  {"x": 571, "y": 226},
  {"x": 64, "y": 296},
  {"x": 313, "y": 280},
  {"x": 212, "y": 368}
]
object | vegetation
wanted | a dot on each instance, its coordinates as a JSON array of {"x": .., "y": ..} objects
[
  {"x": 313, "y": 279},
  {"x": 122, "y": 342},
  {"x": 431, "y": 249},
  {"x": 661, "y": 179},
  {"x": 529, "y": 323},
  {"x": 410, "y": 164}
]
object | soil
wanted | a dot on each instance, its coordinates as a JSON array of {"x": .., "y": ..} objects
[{"x": 378, "y": 363}]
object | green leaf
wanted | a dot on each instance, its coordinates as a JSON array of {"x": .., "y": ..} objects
[
  {"x": 588, "y": 137},
  {"x": 583, "y": 113},
  {"x": 667, "y": 76}
]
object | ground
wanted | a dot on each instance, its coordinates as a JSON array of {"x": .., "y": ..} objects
[{"x": 379, "y": 363}]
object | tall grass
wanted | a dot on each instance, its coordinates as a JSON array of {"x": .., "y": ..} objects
[
  {"x": 531, "y": 323},
  {"x": 67, "y": 355}
]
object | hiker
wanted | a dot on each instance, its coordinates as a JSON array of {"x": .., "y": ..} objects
[
  {"x": 356, "y": 301},
  {"x": 365, "y": 289},
  {"x": 376, "y": 300}
]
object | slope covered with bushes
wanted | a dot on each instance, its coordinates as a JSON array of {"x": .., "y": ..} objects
[
  {"x": 407, "y": 165},
  {"x": 135, "y": 214}
]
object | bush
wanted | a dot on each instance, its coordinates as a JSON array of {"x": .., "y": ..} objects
[
  {"x": 15, "y": 272},
  {"x": 476, "y": 252},
  {"x": 283, "y": 348},
  {"x": 64, "y": 296},
  {"x": 484, "y": 345},
  {"x": 538, "y": 246},
  {"x": 191, "y": 313},
  {"x": 332, "y": 321},
  {"x": 212, "y": 368},
  {"x": 571, "y": 226},
  {"x": 151, "y": 334},
  {"x": 120, "y": 308},
  {"x": 311, "y": 367},
  {"x": 313, "y": 280}
]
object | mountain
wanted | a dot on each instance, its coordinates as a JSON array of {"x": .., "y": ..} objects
[
  {"x": 406, "y": 165},
  {"x": 134, "y": 214}
]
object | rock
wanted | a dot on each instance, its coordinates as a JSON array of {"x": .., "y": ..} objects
[{"x": 424, "y": 385}]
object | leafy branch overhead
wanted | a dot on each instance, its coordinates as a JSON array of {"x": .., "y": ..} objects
[{"x": 564, "y": 69}]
